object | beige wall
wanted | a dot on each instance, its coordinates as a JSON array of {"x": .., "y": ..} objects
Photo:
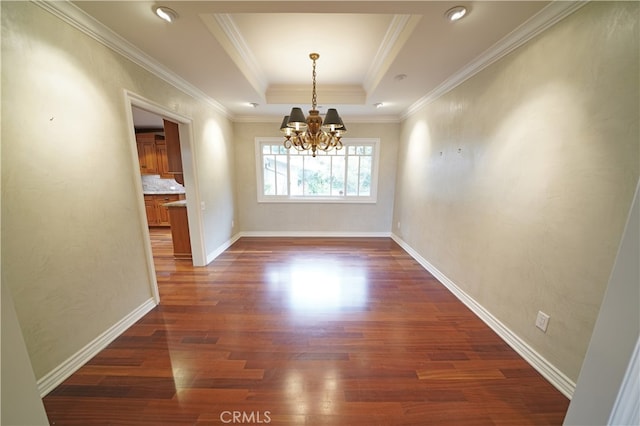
[
  {"x": 517, "y": 184},
  {"x": 21, "y": 403},
  {"x": 310, "y": 217},
  {"x": 73, "y": 245},
  {"x": 612, "y": 344}
]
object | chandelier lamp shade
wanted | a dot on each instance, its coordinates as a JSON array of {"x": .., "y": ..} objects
[{"x": 312, "y": 133}]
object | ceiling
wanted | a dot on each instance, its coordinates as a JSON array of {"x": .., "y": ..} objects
[{"x": 391, "y": 52}]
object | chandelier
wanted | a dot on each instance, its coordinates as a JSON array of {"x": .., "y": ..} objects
[{"x": 312, "y": 133}]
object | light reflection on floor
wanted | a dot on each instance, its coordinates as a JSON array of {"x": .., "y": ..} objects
[{"x": 319, "y": 284}]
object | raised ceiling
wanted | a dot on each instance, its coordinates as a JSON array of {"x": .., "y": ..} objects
[{"x": 397, "y": 53}]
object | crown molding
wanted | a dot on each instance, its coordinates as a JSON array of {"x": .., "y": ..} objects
[
  {"x": 401, "y": 27},
  {"x": 77, "y": 18},
  {"x": 397, "y": 34},
  {"x": 546, "y": 18},
  {"x": 377, "y": 119},
  {"x": 330, "y": 94},
  {"x": 224, "y": 29}
]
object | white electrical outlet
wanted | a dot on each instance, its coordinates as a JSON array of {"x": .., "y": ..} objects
[
  {"x": 202, "y": 205},
  {"x": 233, "y": 223},
  {"x": 542, "y": 321}
]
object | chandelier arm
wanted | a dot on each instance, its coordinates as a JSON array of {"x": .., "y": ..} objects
[{"x": 305, "y": 142}]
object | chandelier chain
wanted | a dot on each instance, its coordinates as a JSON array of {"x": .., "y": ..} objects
[{"x": 314, "y": 98}]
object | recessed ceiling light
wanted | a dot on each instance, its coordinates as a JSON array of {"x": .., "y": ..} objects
[
  {"x": 378, "y": 105},
  {"x": 400, "y": 77},
  {"x": 253, "y": 104},
  {"x": 166, "y": 13},
  {"x": 456, "y": 13}
]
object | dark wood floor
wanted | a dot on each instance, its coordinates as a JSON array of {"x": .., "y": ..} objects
[{"x": 305, "y": 332}]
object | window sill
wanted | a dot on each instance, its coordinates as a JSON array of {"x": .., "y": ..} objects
[{"x": 319, "y": 200}]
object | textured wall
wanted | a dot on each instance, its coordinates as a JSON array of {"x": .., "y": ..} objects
[
  {"x": 311, "y": 217},
  {"x": 73, "y": 250},
  {"x": 21, "y": 403},
  {"x": 614, "y": 338},
  {"x": 517, "y": 184}
]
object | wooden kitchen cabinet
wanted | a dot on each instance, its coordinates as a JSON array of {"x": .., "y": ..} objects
[
  {"x": 163, "y": 212},
  {"x": 174, "y": 155},
  {"x": 163, "y": 161},
  {"x": 147, "y": 156},
  {"x": 150, "y": 208},
  {"x": 152, "y": 155},
  {"x": 157, "y": 213},
  {"x": 172, "y": 137},
  {"x": 180, "y": 230}
]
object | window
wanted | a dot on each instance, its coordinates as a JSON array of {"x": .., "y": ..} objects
[{"x": 346, "y": 175}]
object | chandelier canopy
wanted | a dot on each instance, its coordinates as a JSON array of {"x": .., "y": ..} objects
[{"x": 311, "y": 133}]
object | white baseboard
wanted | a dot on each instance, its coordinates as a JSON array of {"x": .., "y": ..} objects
[
  {"x": 319, "y": 234},
  {"x": 217, "y": 252},
  {"x": 565, "y": 385},
  {"x": 59, "y": 374},
  {"x": 559, "y": 380}
]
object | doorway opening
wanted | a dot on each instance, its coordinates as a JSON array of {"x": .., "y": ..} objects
[
  {"x": 167, "y": 183},
  {"x": 158, "y": 146}
]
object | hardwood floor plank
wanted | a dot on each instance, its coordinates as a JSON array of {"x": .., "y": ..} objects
[{"x": 305, "y": 331}]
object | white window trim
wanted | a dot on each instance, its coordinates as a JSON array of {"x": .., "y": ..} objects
[{"x": 372, "y": 199}]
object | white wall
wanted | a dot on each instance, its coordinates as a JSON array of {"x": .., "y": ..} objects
[
  {"x": 315, "y": 218},
  {"x": 21, "y": 403},
  {"x": 614, "y": 337},
  {"x": 73, "y": 239},
  {"x": 516, "y": 185}
]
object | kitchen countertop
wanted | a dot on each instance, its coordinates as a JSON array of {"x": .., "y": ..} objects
[
  {"x": 162, "y": 191},
  {"x": 180, "y": 203},
  {"x": 155, "y": 185}
]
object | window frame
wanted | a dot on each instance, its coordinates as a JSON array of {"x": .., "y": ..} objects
[{"x": 357, "y": 199}]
